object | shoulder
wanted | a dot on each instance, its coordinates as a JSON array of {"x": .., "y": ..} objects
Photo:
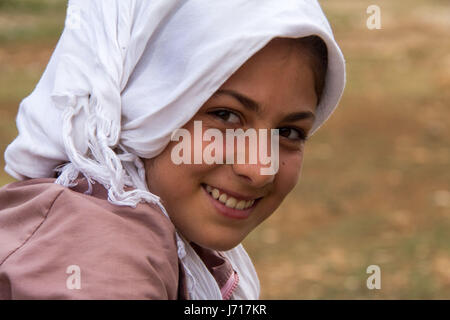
[
  {"x": 23, "y": 207},
  {"x": 120, "y": 252},
  {"x": 23, "y": 192}
]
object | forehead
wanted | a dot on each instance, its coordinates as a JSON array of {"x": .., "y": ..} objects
[{"x": 279, "y": 77}]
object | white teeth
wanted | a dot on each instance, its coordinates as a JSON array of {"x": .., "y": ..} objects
[
  {"x": 215, "y": 193},
  {"x": 241, "y": 204},
  {"x": 223, "y": 198},
  {"x": 229, "y": 201}
]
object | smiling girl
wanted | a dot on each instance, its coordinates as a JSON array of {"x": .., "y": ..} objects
[
  {"x": 274, "y": 89},
  {"x": 122, "y": 220}
]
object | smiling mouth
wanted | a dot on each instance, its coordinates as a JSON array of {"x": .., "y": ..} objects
[
  {"x": 231, "y": 201},
  {"x": 228, "y": 205}
]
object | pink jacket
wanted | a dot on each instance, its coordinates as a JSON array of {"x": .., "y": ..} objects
[{"x": 59, "y": 243}]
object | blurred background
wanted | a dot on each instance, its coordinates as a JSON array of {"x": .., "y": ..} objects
[{"x": 375, "y": 185}]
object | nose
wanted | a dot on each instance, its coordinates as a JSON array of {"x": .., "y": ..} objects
[
  {"x": 251, "y": 174},
  {"x": 257, "y": 173}
]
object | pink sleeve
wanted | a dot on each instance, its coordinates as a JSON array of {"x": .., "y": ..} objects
[{"x": 61, "y": 244}]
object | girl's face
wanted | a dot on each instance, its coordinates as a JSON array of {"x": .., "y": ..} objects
[{"x": 273, "y": 90}]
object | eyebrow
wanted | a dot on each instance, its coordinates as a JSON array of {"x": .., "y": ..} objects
[{"x": 256, "y": 107}]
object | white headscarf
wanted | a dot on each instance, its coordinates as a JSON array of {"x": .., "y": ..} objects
[{"x": 126, "y": 73}]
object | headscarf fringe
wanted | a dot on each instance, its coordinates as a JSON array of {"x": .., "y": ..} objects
[{"x": 115, "y": 171}]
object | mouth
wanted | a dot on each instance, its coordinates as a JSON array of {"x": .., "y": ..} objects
[{"x": 230, "y": 204}]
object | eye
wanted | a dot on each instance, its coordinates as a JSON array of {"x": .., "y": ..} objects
[
  {"x": 227, "y": 116},
  {"x": 293, "y": 134}
]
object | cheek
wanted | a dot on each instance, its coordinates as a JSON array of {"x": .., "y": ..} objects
[
  {"x": 285, "y": 180},
  {"x": 164, "y": 175},
  {"x": 289, "y": 171}
]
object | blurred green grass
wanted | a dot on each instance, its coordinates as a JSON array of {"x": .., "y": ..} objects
[
  {"x": 30, "y": 20},
  {"x": 375, "y": 182}
]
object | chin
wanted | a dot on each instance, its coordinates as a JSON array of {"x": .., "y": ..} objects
[{"x": 218, "y": 244}]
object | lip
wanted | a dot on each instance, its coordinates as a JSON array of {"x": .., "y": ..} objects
[{"x": 230, "y": 212}]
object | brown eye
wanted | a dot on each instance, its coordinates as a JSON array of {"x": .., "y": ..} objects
[
  {"x": 226, "y": 116},
  {"x": 293, "y": 133}
]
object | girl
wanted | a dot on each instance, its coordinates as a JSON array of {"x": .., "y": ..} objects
[{"x": 121, "y": 219}]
